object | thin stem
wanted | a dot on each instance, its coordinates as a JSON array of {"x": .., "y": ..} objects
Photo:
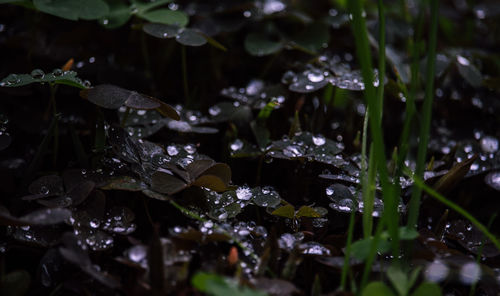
[
  {"x": 347, "y": 254},
  {"x": 53, "y": 90},
  {"x": 426, "y": 112},
  {"x": 410, "y": 97},
  {"x": 185, "y": 75},
  {"x": 368, "y": 206},
  {"x": 125, "y": 117},
  {"x": 372, "y": 253}
]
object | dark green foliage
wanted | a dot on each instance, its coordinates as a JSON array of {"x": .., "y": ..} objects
[{"x": 258, "y": 165}]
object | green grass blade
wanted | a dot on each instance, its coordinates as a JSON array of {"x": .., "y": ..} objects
[
  {"x": 364, "y": 56},
  {"x": 381, "y": 55},
  {"x": 426, "y": 115}
]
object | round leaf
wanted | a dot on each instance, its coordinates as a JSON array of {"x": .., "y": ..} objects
[
  {"x": 119, "y": 14},
  {"x": 166, "y": 183},
  {"x": 377, "y": 289},
  {"x": 167, "y": 17},
  {"x": 211, "y": 182},
  {"x": 221, "y": 170},
  {"x": 73, "y": 9},
  {"x": 427, "y": 289},
  {"x": 190, "y": 38},
  {"x": 260, "y": 45},
  {"x": 106, "y": 95},
  {"x": 308, "y": 212},
  {"x": 161, "y": 30},
  {"x": 287, "y": 211},
  {"x": 197, "y": 167}
]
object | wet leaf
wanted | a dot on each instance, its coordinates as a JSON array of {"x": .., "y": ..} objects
[
  {"x": 377, "y": 289},
  {"x": 361, "y": 248},
  {"x": 314, "y": 37},
  {"x": 265, "y": 197},
  {"x": 57, "y": 76},
  {"x": 107, "y": 96},
  {"x": 493, "y": 180},
  {"x": 37, "y": 217},
  {"x": 454, "y": 175},
  {"x": 308, "y": 212},
  {"x": 261, "y": 45},
  {"x": 308, "y": 81},
  {"x": 166, "y": 16},
  {"x": 261, "y": 133},
  {"x": 468, "y": 71},
  {"x": 72, "y": 252},
  {"x": 144, "y": 6},
  {"x": 287, "y": 211},
  {"x": 275, "y": 286},
  {"x": 161, "y": 30},
  {"x": 399, "y": 280},
  {"x": 190, "y": 37},
  {"x": 211, "y": 182},
  {"x": 49, "y": 185},
  {"x": 427, "y": 289},
  {"x": 118, "y": 15},
  {"x": 470, "y": 238},
  {"x": 220, "y": 170},
  {"x": 164, "y": 182},
  {"x": 196, "y": 168},
  {"x": 73, "y": 9},
  {"x": 216, "y": 285},
  {"x": 125, "y": 183}
]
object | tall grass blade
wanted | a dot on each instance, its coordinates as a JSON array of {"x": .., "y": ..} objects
[
  {"x": 426, "y": 115},
  {"x": 364, "y": 56}
]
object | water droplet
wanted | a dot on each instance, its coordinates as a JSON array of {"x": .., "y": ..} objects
[
  {"x": 137, "y": 253},
  {"x": 57, "y": 72},
  {"x": 319, "y": 140},
  {"x": 172, "y": 150},
  {"x": 437, "y": 271},
  {"x": 314, "y": 248},
  {"x": 470, "y": 273},
  {"x": 94, "y": 223},
  {"x": 243, "y": 193},
  {"x": 493, "y": 180},
  {"x": 190, "y": 148},
  {"x": 37, "y": 74},
  {"x": 214, "y": 110},
  {"x": 463, "y": 61},
  {"x": 12, "y": 78},
  {"x": 489, "y": 144},
  {"x": 292, "y": 151},
  {"x": 87, "y": 83},
  {"x": 273, "y": 6},
  {"x": 344, "y": 205},
  {"x": 315, "y": 77},
  {"x": 236, "y": 145},
  {"x": 44, "y": 190},
  {"x": 222, "y": 216},
  {"x": 329, "y": 190}
]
